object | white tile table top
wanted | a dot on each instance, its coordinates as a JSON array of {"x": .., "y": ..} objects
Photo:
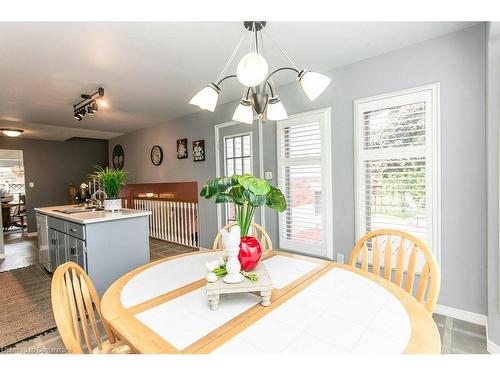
[
  {"x": 178, "y": 272},
  {"x": 341, "y": 312}
]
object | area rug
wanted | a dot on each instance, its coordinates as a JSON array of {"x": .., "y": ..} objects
[{"x": 25, "y": 305}]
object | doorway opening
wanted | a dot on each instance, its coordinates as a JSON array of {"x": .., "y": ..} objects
[{"x": 12, "y": 191}]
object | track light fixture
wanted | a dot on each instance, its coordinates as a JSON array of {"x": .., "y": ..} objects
[
  {"x": 253, "y": 73},
  {"x": 89, "y": 104}
]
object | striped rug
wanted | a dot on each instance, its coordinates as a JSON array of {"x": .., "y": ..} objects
[{"x": 25, "y": 305}]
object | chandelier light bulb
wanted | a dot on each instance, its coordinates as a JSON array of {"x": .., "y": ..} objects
[
  {"x": 313, "y": 83},
  {"x": 275, "y": 110},
  {"x": 252, "y": 69},
  {"x": 207, "y": 97},
  {"x": 244, "y": 112}
]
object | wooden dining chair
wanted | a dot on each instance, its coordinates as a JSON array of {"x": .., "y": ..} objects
[
  {"x": 400, "y": 252},
  {"x": 76, "y": 308},
  {"x": 255, "y": 230}
]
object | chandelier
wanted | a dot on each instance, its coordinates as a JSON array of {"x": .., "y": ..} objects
[{"x": 260, "y": 94}]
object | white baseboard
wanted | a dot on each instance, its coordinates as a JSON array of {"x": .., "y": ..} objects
[
  {"x": 468, "y": 316},
  {"x": 492, "y": 348},
  {"x": 2, "y": 256},
  {"x": 32, "y": 234}
]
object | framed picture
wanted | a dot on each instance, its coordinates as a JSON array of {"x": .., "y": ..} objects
[
  {"x": 156, "y": 155},
  {"x": 182, "y": 150},
  {"x": 199, "y": 150},
  {"x": 118, "y": 157}
]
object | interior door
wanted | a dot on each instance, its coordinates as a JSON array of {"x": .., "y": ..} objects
[{"x": 238, "y": 154}]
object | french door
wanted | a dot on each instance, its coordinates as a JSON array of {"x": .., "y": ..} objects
[
  {"x": 238, "y": 148},
  {"x": 304, "y": 176}
]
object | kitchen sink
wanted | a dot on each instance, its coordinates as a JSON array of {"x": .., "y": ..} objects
[{"x": 77, "y": 210}]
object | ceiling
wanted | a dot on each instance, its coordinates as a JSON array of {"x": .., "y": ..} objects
[{"x": 150, "y": 70}]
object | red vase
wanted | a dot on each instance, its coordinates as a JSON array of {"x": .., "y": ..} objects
[{"x": 250, "y": 253}]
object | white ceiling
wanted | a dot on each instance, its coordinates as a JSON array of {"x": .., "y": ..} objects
[{"x": 150, "y": 70}]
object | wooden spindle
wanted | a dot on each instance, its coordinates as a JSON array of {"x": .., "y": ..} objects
[
  {"x": 364, "y": 257},
  {"x": 410, "y": 274},
  {"x": 399, "y": 263},
  {"x": 388, "y": 258},
  {"x": 376, "y": 256},
  {"x": 422, "y": 284}
]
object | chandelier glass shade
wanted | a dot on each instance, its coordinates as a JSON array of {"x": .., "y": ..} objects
[
  {"x": 244, "y": 112},
  {"x": 207, "y": 97},
  {"x": 252, "y": 71}
]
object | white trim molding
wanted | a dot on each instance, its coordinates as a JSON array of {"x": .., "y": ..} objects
[
  {"x": 468, "y": 316},
  {"x": 491, "y": 347},
  {"x": 217, "y": 163},
  {"x": 324, "y": 160},
  {"x": 431, "y": 94}
]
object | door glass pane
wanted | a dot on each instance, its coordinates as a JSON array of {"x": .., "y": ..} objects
[
  {"x": 229, "y": 148},
  {"x": 303, "y": 217},
  {"x": 237, "y": 146},
  {"x": 246, "y": 145}
]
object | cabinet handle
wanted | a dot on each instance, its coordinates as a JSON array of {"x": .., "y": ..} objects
[
  {"x": 73, "y": 251},
  {"x": 72, "y": 230}
]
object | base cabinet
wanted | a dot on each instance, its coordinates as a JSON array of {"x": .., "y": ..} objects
[
  {"x": 105, "y": 250},
  {"x": 64, "y": 247},
  {"x": 76, "y": 251}
]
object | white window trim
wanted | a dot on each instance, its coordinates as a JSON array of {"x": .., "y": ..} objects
[
  {"x": 433, "y": 158},
  {"x": 326, "y": 176},
  {"x": 250, "y": 133},
  {"x": 217, "y": 128}
]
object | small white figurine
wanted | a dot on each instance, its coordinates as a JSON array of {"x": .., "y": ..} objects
[{"x": 231, "y": 247}]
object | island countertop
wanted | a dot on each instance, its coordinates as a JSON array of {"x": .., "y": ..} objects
[{"x": 90, "y": 217}]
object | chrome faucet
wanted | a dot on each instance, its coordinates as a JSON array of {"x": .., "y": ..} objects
[{"x": 98, "y": 202}]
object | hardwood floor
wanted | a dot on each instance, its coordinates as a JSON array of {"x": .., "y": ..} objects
[{"x": 20, "y": 251}]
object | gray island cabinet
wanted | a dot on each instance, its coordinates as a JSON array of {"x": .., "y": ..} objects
[{"x": 105, "y": 244}]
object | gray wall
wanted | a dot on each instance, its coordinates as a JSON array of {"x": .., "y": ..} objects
[
  {"x": 52, "y": 165},
  {"x": 457, "y": 61},
  {"x": 493, "y": 120}
]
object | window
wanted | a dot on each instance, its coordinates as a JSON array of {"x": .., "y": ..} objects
[
  {"x": 237, "y": 160},
  {"x": 238, "y": 154},
  {"x": 304, "y": 176},
  {"x": 397, "y": 171}
]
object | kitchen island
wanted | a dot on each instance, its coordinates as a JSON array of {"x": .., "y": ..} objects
[{"x": 105, "y": 244}]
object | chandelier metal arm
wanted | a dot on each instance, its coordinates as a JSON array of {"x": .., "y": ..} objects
[
  {"x": 223, "y": 79},
  {"x": 279, "y": 70}
]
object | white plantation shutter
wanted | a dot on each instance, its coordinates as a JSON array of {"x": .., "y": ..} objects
[
  {"x": 304, "y": 177},
  {"x": 397, "y": 177}
]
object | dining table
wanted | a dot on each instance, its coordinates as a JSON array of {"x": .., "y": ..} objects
[{"x": 317, "y": 307}]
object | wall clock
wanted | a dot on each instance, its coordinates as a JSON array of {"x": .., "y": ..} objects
[
  {"x": 118, "y": 157},
  {"x": 156, "y": 155}
]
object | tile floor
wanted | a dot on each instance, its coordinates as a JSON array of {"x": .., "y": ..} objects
[{"x": 457, "y": 336}]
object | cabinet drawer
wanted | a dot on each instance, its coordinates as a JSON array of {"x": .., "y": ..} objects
[
  {"x": 56, "y": 224},
  {"x": 76, "y": 230}
]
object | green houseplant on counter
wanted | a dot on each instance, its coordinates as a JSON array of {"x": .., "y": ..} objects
[
  {"x": 111, "y": 181},
  {"x": 247, "y": 193}
]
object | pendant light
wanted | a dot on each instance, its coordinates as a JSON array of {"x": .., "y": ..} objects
[
  {"x": 252, "y": 72},
  {"x": 12, "y": 132}
]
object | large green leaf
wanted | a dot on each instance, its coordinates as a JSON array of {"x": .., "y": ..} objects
[
  {"x": 257, "y": 186},
  {"x": 255, "y": 200},
  {"x": 276, "y": 200},
  {"x": 216, "y": 186}
]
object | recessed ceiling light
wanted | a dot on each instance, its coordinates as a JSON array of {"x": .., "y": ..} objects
[{"x": 12, "y": 132}]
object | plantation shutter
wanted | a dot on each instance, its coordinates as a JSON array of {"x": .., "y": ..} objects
[
  {"x": 302, "y": 178},
  {"x": 394, "y": 164}
]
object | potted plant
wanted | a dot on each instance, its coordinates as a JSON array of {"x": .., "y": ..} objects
[
  {"x": 111, "y": 181},
  {"x": 247, "y": 193}
]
